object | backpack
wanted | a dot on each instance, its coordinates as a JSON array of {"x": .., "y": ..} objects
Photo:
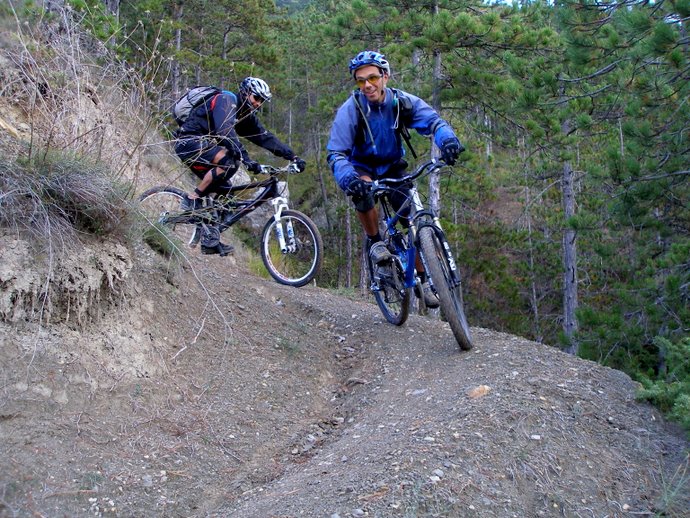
[
  {"x": 190, "y": 100},
  {"x": 404, "y": 105}
]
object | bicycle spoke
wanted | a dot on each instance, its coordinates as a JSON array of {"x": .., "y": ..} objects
[
  {"x": 390, "y": 293},
  {"x": 297, "y": 263}
]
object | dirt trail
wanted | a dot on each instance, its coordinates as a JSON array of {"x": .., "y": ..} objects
[{"x": 241, "y": 397}]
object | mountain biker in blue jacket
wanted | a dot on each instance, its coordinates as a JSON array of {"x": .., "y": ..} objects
[
  {"x": 365, "y": 144},
  {"x": 208, "y": 142}
]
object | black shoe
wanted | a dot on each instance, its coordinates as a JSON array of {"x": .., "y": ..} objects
[{"x": 221, "y": 249}]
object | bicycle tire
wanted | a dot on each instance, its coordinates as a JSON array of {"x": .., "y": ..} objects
[
  {"x": 299, "y": 266},
  {"x": 163, "y": 217},
  {"x": 450, "y": 298},
  {"x": 392, "y": 298}
]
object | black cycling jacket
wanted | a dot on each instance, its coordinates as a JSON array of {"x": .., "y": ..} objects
[{"x": 226, "y": 117}]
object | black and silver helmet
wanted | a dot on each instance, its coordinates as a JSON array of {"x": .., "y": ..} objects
[{"x": 256, "y": 87}]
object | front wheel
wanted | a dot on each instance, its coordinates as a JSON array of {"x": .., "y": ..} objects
[
  {"x": 298, "y": 262},
  {"x": 449, "y": 296}
]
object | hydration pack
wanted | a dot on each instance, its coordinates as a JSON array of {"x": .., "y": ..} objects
[
  {"x": 405, "y": 113},
  {"x": 190, "y": 100}
]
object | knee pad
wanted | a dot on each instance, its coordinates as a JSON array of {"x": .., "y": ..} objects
[
  {"x": 363, "y": 203},
  {"x": 228, "y": 165}
]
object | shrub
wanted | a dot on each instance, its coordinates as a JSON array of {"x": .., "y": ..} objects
[
  {"x": 58, "y": 198},
  {"x": 671, "y": 391}
]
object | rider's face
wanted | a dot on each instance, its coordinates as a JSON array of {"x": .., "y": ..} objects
[
  {"x": 256, "y": 102},
  {"x": 372, "y": 83}
]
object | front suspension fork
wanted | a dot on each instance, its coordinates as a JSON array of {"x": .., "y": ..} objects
[{"x": 286, "y": 237}]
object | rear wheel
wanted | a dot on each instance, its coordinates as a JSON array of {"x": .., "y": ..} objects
[
  {"x": 388, "y": 286},
  {"x": 166, "y": 227},
  {"x": 450, "y": 296},
  {"x": 299, "y": 262}
]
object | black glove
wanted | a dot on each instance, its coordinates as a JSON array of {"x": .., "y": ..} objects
[
  {"x": 358, "y": 187},
  {"x": 301, "y": 164},
  {"x": 252, "y": 166},
  {"x": 450, "y": 150}
]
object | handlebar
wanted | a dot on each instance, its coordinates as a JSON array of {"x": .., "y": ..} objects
[
  {"x": 387, "y": 184},
  {"x": 291, "y": 168}
]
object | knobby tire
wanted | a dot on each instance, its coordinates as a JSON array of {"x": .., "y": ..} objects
[
  {"x": 162, "y": 214},
  {"x": 449, "y": 297},
  {"x": 299, "y": 266}
]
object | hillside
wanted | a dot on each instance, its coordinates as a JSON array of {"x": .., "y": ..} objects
[
  {"x": 235, "y": 396},
  {"x": 143, "y": 387}
]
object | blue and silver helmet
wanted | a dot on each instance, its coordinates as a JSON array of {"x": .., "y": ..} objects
[{"x": 370, "y": 57}]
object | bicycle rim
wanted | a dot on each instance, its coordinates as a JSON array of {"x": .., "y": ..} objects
[
  {"x": 390, "y": 293},
  {"x": 301, "y": 262},
  {"x": 167, "y": 229},
  {"x": 450, "y": 297}
]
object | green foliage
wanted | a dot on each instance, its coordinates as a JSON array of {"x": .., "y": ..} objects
[
  {"x": 95, "y": 18},
  {"x": 670, "y": 389}
]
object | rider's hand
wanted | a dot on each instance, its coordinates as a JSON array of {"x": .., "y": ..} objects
[
  {"x": 450, "y": 150},
  {"x": 252, "y": 166},
  {"x": 301, "y": 164},
  {"x": 358, "y": 187}
]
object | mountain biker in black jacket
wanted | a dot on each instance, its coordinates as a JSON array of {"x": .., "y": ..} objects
[{"x": 208, "y": 142}]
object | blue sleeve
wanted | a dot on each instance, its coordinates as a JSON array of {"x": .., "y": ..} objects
[
  {"x": 341, "y": 142},
  {"x": 426, "y": 120}
]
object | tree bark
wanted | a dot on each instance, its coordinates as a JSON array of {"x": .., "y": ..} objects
[
  {"x": 113, "y": 7},
  {"x": 177, "y": 16},
  {"x": 569, "y": 255},
  {"x": 348, "y": 247},
  {"x": 435, "y": 177}
]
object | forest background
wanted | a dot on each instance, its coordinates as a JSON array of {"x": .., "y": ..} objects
[{"x": 569, "y": 212}]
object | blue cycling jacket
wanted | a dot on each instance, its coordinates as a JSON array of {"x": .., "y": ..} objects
[{"x": 382, "y": 146}]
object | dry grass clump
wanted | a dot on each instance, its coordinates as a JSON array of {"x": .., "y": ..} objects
[{"x": 60, "y": 198}]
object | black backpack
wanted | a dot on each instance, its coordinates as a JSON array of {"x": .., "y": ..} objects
[
  {"x": 190, "y": 100},
  {"x": 404, "y": 105}
]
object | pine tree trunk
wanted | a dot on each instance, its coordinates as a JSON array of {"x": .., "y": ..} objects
[
  {"x": 176, "y": 87},
  {"x": 534, "y": 300},
  {"x": 322, "y": 181},
  {"x": 113, "y": 7},
  {"x": 348, "y": 246},
  {"x": 435, "y": 177},
  {"x": 569, "y": 258}
]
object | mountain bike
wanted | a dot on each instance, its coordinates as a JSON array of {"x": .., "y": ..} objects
[
  {"x": 392, "y": 283},
  {"x": 291, "y": 245}
]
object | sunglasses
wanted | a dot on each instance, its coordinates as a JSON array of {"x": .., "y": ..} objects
[{"x": 372, "y": 79}]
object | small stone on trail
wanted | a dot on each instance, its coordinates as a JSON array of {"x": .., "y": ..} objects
[{"x": 481, "y": 390}]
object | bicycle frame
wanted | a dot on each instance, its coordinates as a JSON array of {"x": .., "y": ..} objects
[
  {"x": 238, "y": 209},
  {"x": 419, "y": 217},
  {"x": 405, "y": 245}
]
